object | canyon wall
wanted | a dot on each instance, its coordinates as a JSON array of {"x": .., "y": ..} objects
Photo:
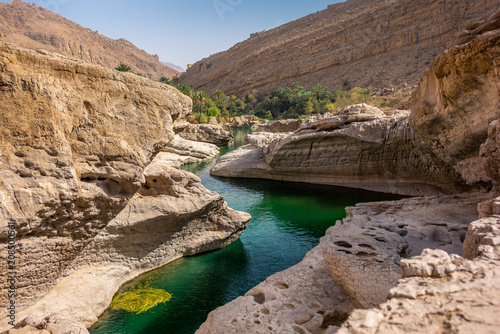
[
  {"x": 457, "y": 99},
  {"x": 358, "y": 147},
  {"x": 355, "y": 43},
  {"x": 87, "y": 186},
  {"x": 33, "y": 27}
]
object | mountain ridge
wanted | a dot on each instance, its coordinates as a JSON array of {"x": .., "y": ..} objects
[
  {"x": 354, "y": 42},
  {"x": 33, "y": 27}
]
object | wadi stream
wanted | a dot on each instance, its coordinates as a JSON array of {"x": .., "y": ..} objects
[{"x": 288, "y": 219}]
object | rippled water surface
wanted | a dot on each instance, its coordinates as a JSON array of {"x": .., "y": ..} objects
[{"x": 288, "y": 220}]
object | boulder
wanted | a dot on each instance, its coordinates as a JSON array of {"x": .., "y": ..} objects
[
  {"x": 365, "y": 250},
  {"x": 441, "y": 292},
  {"x": 214, "y": 134}
]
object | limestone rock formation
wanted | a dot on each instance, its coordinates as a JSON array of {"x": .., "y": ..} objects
[
  {"x": 207, "y": 133},
  {"x": 245, "y": 121},
  {"x": 182, "y": 151},
  {"x": 33, "y": 27},
  {"x": 442, "y": 292},
  {"x": 365, "y": 250},
  {"x": 53, "y": 324},
  {"x": 490, "y": 152},
  {"x": 77, "y": 143},
  {"x": 457, "y": 98},
  {"x": 286, "y": 125},
  {"x": 359, "y": 147},
  {"x": 354, "y": 43}
]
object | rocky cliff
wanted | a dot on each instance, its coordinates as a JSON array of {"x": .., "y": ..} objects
[
  {"x": 35, "y": 27},
  {"x": 358, "y": 43},
  {"x": 359, "y": 147},
  {"x": 458, "y": 97},
  {"x": 87, "y": 187}
]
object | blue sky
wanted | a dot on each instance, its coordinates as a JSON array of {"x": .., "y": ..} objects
[{"x": 182, "y": 31}]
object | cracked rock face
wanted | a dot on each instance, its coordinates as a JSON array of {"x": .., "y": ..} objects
[
  {"x": 86, "y": 177},
  {"x": 457, "y": 98},
  {"x": 214, "y": 134},
  {"x": 359, "y": 147},
  {"x": 442, "y": 292}
]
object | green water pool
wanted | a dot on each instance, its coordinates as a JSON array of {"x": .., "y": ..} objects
[{"x": 287, "y": 221}]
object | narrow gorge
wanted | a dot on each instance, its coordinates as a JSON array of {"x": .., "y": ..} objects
[{"x": 363, "y": 220}]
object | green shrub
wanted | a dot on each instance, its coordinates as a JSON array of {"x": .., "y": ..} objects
[{"x": 213, "y": 112}]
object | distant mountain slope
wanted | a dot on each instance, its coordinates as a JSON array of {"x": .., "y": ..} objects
[
  {"x": 359, "y": 43},
  {"x": 35, "y": 27},
  {"x": 175, "y": 67}
]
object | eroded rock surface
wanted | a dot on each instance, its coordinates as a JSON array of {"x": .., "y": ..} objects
[
  {"x": 442, "y": 292},
  {"x": 286, "y": 125},
  {"x": 457, "y": 98},
  {"x": 490, "y": 152},
  {"x": 77, "y": 181},
  {"x": 359, "y": 147},
  {"x": 365, "y": 250},
  {"x": 214, "y": 134}
]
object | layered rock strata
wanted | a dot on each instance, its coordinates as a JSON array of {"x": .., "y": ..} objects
[
  {"x": 354, "y": 43},
  {"x": 457, "y": 98},
  {"x": 83, "y": 167},
  {"x": 359, "y": 147}
]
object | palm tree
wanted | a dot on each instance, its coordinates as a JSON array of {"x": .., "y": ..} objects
[
  {"x": 123, "y": 68},
  {"x": 219, "y": 98},
  {"x": 185, "y": 89},
  {"x": 199, "y": 100},
  {"x": 165, "y": 80}
]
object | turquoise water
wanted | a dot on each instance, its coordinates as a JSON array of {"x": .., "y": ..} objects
[{"x": 287, "y": 221}]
